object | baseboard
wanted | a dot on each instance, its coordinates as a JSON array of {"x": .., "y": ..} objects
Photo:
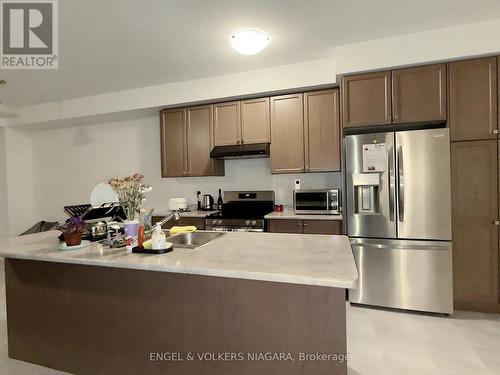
[{"x": 477, "y": 306}]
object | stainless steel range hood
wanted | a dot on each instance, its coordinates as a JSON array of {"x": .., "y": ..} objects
[{"x": 258, "y": 150}]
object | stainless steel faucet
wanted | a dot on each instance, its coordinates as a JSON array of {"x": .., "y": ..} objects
[{"x": 174, "y": 215}]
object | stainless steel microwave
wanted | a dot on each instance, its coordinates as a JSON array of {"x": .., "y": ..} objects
[{"x": 326, "y": 202}]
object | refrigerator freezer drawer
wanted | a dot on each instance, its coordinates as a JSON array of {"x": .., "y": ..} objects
[{"x": 411, "y": 275}]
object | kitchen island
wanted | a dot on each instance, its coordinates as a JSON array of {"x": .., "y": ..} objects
[{"x": 245, "y": 303}]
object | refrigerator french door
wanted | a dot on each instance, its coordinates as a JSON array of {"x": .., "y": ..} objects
[{"x": 399, "y": 219}]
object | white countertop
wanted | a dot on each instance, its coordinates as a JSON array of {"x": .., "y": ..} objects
[
  {"x": 289, "y": 214},
  {"x": 323, "y": 260}
]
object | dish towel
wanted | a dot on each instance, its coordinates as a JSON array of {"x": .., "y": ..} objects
[{"x": 184, "y": 229}]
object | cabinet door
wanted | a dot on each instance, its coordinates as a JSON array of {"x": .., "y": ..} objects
[
  {"x": 255, "y": 121},
  {"x": 419, "y": 94},
  {"x": 366, "y": 99},
  {"x": 173, "y": 142},
  {"x": 200, "y": 141},
  {"x": 287, "y": 132},
  {"x": 227, "y": 123},
  {"x": 322, "y": 131},
  {"x": 475, "y": 208},
  {"x": 473, "y": 99},
  {"x": 322, "y": 227},
  {"x": 284, "y": 226}
]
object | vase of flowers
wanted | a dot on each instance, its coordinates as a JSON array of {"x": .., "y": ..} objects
[
  {"x": 73, "y": 229},
  {"x": 130, "y": 191}
]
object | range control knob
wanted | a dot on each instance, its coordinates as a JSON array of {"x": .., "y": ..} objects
[
  {"x": 247, "y": 222},
  {"x": 254, "y": 222},
  {"x": 219, "y": 222}
]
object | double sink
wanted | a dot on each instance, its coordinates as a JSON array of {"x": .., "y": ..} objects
[{"x": 193, "y": 239}]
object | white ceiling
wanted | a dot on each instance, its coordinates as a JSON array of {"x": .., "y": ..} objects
[{"x": 121, "y": 44}]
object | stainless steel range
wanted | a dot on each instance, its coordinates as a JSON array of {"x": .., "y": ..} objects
[{"x": 242, "y": 211}]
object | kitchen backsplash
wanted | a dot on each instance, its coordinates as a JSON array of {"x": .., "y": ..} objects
[{"x": 251, "y": 174}]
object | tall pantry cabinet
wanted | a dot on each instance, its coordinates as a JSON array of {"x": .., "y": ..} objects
[{"x": 473, "y": 122}]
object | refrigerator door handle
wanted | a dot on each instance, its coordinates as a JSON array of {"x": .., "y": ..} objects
[
  {"x": 378, "y": 245},
  {"x": 401, "y": 185},
  {"x": 392, "y": 186}
]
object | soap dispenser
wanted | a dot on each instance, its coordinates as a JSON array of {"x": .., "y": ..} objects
[{"x": 158, "y": 238}]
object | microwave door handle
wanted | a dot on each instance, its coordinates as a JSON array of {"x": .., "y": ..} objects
[
  {"x": 401, "y": 185},
  {"x": 392, "y": 186}
]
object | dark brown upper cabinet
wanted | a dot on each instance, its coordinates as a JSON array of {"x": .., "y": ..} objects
[
  {"x": 187, "y": 137},
  {"x": 227, "y": 123},
  {"x": 419, "y": 94},
  {"x": 473, "y": 107},
  {"x": 322, "y": 131},
  {"x": 366, "y": 99},
  {"x": 305, "y": 131},
  {"x": 255, "y": 121},
  {"x": 242, "y": 122},
  {"x": 287, "y": 133},
  {"x": 173, "y": 142}
]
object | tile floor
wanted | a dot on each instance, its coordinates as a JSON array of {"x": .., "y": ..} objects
[{"x": 380, "y": 342}]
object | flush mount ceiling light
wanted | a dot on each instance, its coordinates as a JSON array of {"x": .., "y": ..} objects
[{"x": 249, "y": 42}]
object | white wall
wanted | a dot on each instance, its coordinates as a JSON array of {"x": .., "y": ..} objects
[
  {"x": 68, "y": 162},
  {"x": 20, "y": 181},
  {"x": 3, "y": 186},
  {"x": 282, "y": 77},
  {"x": 433, "y": 45},
  {"x": 47, "y": 169}
]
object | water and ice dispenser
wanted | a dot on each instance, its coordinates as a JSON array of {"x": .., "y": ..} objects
[{"x": 366, "y": 193}]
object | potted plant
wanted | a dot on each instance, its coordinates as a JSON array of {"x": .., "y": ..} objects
[
  {"x": 130, "y": 192},
  {"x": 73, "y": 229}
]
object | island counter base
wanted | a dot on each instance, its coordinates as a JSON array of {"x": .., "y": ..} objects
[{"x": 100, "y": 320}]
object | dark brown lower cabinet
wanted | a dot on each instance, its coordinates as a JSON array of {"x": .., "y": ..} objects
[
  {"x": 322, "y": 227},
  {"x": 284, "y": 226},
  {"x": 475, "y": 231},
  {"x": 304, "y": 226},
  {"x": 198, "y": 222}
]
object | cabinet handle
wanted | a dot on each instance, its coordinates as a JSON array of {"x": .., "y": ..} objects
[
  {"x": 299, "y": 224},
  {"x": 305, "y": 224},
  {"x": 494, "y": 131},
  {"x": 238, "y": 142},
  {"x": 496, "y": 222}
]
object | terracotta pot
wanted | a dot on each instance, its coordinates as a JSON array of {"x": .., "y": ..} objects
[{"x": 73, "y": 239}]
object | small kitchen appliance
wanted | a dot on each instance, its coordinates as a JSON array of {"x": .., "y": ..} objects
[
  {"x": 208, "y": 203},
  {"x": 324, "y": 202},
  {"x": 177, "y": 204}
]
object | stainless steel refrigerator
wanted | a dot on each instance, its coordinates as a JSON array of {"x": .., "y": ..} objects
[{"x": 398, "y": 203}]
